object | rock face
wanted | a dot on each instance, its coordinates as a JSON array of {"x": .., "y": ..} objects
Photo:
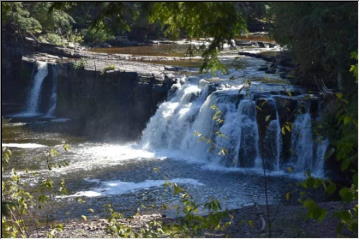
[
  {"x": 114, "y": 105},
  {"x": 280, "y": 62}
]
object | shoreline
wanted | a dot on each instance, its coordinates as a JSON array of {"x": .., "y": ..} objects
[{"x": 288, "y": 221}]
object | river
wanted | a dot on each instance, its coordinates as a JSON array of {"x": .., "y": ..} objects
[{"x": 220, "y": 161}]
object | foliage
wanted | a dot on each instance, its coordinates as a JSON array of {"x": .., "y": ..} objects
[
  {"x": 52, "y": 38},
  {"x": 38, "y": 20},
  {"x": 80, "y": 64},
  {"x": 190, "y": 225},
  {"x": 219, "y": 20},
  {"x": 218, "y": 119},
  {"x": 354, "y": 67},
  {"x": 348, "y": 216},
  {"x": 18, "y": 18},
  {"x": 18, "y": 204},
  {"x": 340, "y": 125},
  {"x": 320, "y": 37},
  {"x": 101, "y": 21},
  {"x": 98, "y": 34},
  {"x": 52, "y": 21},
  {"x": 108, "y": 68}
]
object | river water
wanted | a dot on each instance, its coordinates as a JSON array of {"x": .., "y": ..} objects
[{"x": 131, "y": 176}]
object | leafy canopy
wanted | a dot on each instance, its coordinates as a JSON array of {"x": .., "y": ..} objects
[{"x": 220, "y": 20}]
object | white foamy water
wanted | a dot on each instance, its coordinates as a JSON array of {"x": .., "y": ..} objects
[
  {"x": 90, "y": 157},
  {"x": 117, "y": 187},
  {"x": 17, "y": 124},
  {"x": 185, "y": 126},
  {"x": 117, "y": 152},
  {"x": 23, "y": 145},
  {"x": 32, "y": 105},
  {"x": 25, "y": 114}
]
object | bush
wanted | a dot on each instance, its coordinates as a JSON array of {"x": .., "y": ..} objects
[
  {"x": 80, "y": 64},
  {"x": 52, "y": 38},
  {"x": 18, "y": 203},
  {"x": 98, "y": 34}
]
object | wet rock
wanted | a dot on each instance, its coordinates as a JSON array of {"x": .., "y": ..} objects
[
  {"x": 271, "y": 69},
  {"x": 261, "y": 44},
  {"x": 243, "y": 43},
  {"x": 263, "y": 68}
]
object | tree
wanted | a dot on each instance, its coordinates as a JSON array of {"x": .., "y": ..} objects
[
  {"x": 220, "y": 20},
  {"x": 17, "y": 17},
  {"x": 321, "y": 37}
]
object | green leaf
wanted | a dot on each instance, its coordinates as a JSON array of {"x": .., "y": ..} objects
[
  {"x": 213, "y": 205},
  {"x": 339, "y": 95},
  {"x": 346, "y": 194},
  {"x": 345, "y": 164},
  {"x": 330, "y": 188},
  {"x": 80, "y": 200},
  {"x": 178, "y": 189},
  {"x": 53, "y": 153},
  {"x": 355, "y": 179},
  {"x": 283, "y": 131},
  {"x": 288, "y": 196},
  {"x": 223, "y": 151},
  {"x": 66, "y": 147},
  {"x": 314, "y": 211},
  {"x": 84, "y": 217},
  {"x": 347, "y": 120},
  {"x": 267, "y": 118}
]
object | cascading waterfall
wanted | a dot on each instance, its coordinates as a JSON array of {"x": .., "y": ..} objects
[
  {"x": 186, "y": 125},
  {"x": 53, "y": 97},
  {"x": 319, "y": 165},
  {"x": 33, "y": 102},
  {"x": 34, "y": 98},
  {"x": 273, "y": 141},
  {"x": 247, "y": 139},
  {"x": 302, "y": 142}
]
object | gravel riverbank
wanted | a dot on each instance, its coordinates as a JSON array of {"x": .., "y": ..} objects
[{"x": 288, "y": 222}]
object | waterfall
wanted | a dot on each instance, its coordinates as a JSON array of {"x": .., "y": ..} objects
[
  {"x": 273, "y": 140},
  {"x": 34, "y": 97},
  {"x": 217, "y": 123},
  {"x": 33, "y": 102},
  {"x": 302, "y": 142},
  {"x": 319, "y": 165},
  {"x": 247, "y": 147},
  {"x": 53, "y": 97}
]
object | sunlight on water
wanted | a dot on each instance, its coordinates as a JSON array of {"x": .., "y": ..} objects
[
  {"x": 90, "y": 156},
  {"x": 117, "y": 187},
  {"x": 23, "y": 145}
]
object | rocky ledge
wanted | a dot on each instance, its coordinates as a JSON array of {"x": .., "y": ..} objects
[
  {"x": 107, "y": 98},
  {"x": 277, "y": 62}
]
